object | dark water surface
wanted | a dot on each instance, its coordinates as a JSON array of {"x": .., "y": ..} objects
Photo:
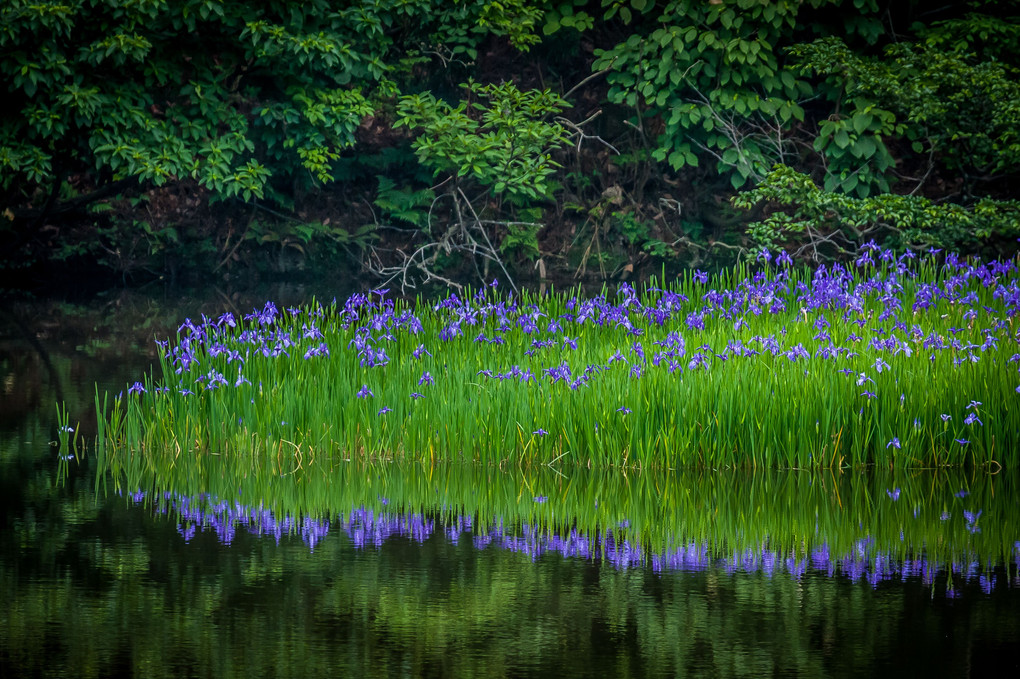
[{"x": 406, "y": 571}]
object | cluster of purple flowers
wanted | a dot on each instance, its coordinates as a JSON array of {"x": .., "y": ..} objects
[{"x": 863, "y": 325}]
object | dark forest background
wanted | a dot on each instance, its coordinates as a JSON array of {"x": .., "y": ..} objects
[{"x": 457, "y": 141}]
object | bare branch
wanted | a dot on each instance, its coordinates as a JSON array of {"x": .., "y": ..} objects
[{"x": 581, "y": 136}]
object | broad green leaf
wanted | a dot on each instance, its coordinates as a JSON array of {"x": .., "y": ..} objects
[{"x": 862, "y": 121}]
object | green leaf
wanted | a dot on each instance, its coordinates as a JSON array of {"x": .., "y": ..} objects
[
  {"x": 866, "y": 146},
  {"x": 862, "y": 122}
]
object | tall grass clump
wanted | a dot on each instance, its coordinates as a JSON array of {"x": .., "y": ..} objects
[{"x": 888, "y": 361}]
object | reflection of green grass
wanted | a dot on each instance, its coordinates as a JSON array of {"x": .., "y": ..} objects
[
  {"x": 779, "y": 370},
  {"x": 792, "y": 512},
  {"x": 159, "y": 607}
]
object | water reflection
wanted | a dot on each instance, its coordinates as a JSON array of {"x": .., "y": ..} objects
[{"x": 364, "y": 528}]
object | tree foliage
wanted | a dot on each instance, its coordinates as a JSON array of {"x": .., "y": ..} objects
[
  {"x": 206, "y": 129},
  {"x": 813, "y": 220}
]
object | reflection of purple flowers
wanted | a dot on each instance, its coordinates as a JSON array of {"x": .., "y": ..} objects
[
  {"x": 365, "y": 528},
  {"x": 893, "y": 494}
]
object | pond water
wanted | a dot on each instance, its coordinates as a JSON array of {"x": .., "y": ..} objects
[{"x": 370, "y": 569}]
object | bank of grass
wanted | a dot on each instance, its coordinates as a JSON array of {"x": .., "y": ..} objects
[{"x": 890, "y": 361}]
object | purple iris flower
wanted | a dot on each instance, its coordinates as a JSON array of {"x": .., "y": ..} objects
[
  {"x": 364, "y": 392},
  {"x": 895, "y": 443}
]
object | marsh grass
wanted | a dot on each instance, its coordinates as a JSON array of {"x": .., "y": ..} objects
[{"x": 889, "y": 363}]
